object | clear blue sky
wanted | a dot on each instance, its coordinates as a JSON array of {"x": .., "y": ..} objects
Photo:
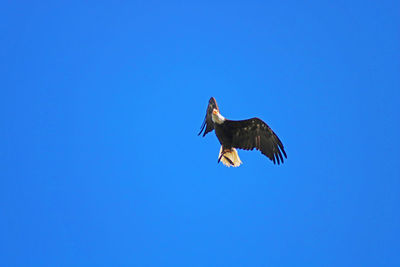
[{"x": 101, "y": 104}]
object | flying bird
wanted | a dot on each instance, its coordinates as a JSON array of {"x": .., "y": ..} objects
[{"x": 243, "y": 134}]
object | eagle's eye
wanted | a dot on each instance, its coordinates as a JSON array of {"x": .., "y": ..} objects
[{"x": 215, "y": 111}]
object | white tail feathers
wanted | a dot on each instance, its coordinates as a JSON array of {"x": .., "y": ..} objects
[{"x": 230, "y": 157}]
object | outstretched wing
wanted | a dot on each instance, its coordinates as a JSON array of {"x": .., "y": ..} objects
[
  {"x": 254, "y": 133},
  {"x": 208, "y": 123}
]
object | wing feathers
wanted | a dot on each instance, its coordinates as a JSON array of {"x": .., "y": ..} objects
[
  {"x": 254, "y": 133},
  {"x": 208, "y": 123},
  {"x": 203, "y": 125}
]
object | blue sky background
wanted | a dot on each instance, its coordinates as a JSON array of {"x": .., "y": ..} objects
[{"x": 102, "y": 101}]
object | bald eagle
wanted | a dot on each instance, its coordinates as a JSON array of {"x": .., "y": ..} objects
[{"x": 243, "y": 134}]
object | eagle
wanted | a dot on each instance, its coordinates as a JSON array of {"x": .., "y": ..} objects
[{"x": 243, "y": 134}]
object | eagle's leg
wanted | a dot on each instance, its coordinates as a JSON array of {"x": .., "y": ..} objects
[
  {"x": 222, "y": 155},
  {"x": 219, "y": 159},
  {"x": 230, "y": 161},
  {"x": 229, "y": 157}
]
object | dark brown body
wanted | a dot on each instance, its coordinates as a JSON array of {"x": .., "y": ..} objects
[{"x": 224, "y": 135}]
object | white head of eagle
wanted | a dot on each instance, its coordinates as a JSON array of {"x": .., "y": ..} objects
[
  {"x": 243, "y": 134},
  {"x": 217, "y": 117}
]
